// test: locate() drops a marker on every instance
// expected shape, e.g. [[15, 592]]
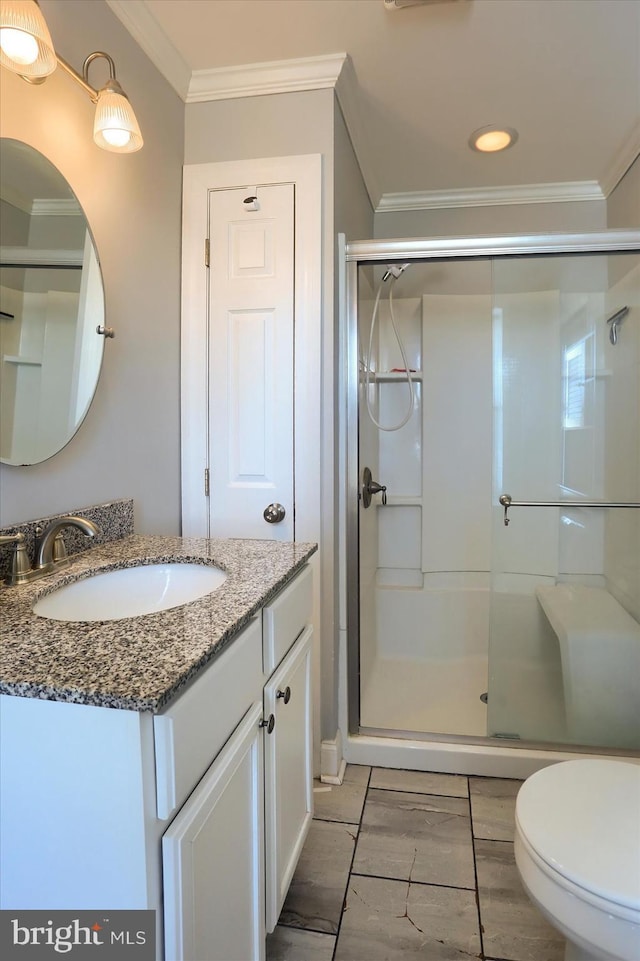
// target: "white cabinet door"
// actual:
[[288, 771], [213, 858], [251, 393]]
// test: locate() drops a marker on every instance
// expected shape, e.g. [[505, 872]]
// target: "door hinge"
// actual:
[[207, 248], [206, 482]]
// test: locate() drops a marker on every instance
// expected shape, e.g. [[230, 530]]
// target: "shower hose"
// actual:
[[392, 275]]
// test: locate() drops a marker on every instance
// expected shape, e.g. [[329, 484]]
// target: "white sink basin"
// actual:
[[130, 592]]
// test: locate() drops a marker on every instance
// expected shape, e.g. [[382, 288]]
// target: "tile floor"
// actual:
[[404, 865]]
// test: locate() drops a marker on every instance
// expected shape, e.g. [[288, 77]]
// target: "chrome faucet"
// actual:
[[50, 552]]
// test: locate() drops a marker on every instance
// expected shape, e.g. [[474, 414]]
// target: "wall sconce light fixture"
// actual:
[[26, 48]]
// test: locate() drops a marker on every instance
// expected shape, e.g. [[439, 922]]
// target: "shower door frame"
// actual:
[[383, 252]]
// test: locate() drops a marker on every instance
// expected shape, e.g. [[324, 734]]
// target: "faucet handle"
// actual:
[[59, 548], [20, 564], [17, 538]]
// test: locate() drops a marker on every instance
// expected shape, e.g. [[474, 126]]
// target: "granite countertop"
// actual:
[[138, 663]]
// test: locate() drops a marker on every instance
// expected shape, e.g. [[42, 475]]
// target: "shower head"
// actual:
[[614, 322], [395, 271]]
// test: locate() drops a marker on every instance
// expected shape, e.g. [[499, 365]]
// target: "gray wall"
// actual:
[[14, 225], [623, 204], [353, 213], [277, 125], [129, 444]]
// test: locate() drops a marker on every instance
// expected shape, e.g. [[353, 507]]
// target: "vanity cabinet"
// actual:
[[198, 812], [209, 750], [230, 853]]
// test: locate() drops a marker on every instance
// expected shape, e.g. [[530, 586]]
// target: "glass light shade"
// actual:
[[115, 127], [26, 47]]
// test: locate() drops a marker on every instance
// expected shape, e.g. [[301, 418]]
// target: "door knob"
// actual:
[[274, 513]]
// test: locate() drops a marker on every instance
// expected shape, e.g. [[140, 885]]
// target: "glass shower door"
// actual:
[[564, 655]]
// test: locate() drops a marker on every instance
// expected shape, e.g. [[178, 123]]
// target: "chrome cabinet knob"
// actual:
[[286, 694], [274, 513], [270, 723]]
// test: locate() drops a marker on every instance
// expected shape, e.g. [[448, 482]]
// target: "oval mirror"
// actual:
[[51, 301]]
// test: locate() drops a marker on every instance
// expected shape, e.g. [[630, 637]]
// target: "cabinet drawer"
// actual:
[[193, 728], [285, 619]]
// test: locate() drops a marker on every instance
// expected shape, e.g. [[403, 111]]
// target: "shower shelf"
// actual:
[[395, 376], [27, 361]]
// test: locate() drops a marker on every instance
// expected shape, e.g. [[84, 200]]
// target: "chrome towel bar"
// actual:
[[507, 501]]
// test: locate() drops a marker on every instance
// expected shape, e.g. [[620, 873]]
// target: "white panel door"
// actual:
[[251, 303]]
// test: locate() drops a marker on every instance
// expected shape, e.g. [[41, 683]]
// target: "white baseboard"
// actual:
[[332, 763], [338, 779]]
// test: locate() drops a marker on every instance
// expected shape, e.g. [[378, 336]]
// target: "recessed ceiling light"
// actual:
[[491, 139]]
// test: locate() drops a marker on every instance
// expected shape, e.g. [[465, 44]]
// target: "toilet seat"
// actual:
[[576, 891], [560, 806]]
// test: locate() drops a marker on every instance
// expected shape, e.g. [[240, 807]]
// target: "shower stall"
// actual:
[[492, 462]]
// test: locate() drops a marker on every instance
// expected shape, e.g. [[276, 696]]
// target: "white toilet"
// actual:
[[577, 849]]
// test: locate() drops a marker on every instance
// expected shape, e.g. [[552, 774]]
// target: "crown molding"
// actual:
[[334, 71], [47, 207], [492, 196], [624, 158], [29, 257], [259, 79], [40, 207], [145, 30]]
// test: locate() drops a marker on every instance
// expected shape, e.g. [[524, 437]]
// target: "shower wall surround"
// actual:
[[428, 574]]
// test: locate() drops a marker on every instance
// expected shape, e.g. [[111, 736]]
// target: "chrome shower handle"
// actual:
[[376, 488], [371, 487]]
